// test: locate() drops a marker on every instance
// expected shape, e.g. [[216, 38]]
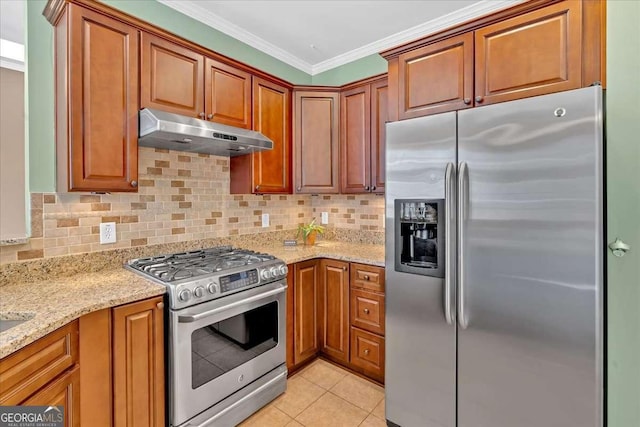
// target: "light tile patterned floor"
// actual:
[[324, 395]]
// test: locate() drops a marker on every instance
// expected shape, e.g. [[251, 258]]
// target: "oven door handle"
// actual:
[[190, 318]]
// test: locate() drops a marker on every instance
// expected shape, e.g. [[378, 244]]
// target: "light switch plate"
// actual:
[[107, 232], [324, 219], [265, 220]]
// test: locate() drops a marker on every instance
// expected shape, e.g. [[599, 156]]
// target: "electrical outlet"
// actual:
[[324, 218], [107, 232], [265, 220]]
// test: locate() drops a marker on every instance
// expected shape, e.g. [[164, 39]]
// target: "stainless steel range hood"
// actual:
[[160, 129]]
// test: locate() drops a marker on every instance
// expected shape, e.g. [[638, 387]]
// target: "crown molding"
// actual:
[[476, 10], [197, 12]]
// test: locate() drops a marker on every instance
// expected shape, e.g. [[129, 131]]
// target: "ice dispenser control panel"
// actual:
[[419, 233]]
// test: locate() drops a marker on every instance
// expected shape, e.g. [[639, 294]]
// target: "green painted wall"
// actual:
[[623, 211], [356, 70], [40, 110]]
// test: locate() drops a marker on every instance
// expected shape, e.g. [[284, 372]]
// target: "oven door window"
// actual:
[[223, 346]]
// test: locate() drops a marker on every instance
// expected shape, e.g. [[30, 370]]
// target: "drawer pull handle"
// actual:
[[366, 277], [366, 311], [366, 351]]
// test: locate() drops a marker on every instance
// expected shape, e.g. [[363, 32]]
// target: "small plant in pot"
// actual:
[[309, 232]]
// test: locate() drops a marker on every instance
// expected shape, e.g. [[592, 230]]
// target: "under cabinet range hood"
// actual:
[[160, 129]]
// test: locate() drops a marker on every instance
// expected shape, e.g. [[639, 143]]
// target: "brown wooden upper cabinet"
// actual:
[[267, 171], [533, 48], [182, 81], [437, 77], [334, 308], [363, 113], [96, 73], [316, 141], [532, 54]]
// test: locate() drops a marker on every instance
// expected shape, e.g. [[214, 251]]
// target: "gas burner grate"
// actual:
[[192, 264]]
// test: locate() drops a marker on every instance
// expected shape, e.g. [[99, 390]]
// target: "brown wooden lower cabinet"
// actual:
[[138, 364], [336, 315], [334, 308], [30, 369], [63, 391], [306, 310], [367, 352]]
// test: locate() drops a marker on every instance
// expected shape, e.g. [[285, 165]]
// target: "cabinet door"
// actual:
[[334, 304], [172, 77], [379, 118], [316, 142], [436, 78], [272, 117], [355, 124], [306, 310], [227, 94], [138, 364], [532, 54], [64, 391], [98, 146]]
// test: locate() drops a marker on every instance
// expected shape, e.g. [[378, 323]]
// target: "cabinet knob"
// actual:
[[344, 268], [134, 184], [467, 101], [479, 99], [209, 116], [366, 311], [257, 187], [299, 188], [366, 187], [160, 305], [366, 277], [366, 351], [201, 115], [373, 188]]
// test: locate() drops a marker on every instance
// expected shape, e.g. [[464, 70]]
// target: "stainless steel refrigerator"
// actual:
[[494, 265]]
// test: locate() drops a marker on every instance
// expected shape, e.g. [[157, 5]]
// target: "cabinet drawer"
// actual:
[[367, 277], [367, 311], [367, 352], [26, 371], [64, 391]]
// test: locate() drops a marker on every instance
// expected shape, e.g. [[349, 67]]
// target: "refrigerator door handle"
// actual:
[[449, 193], [463, 196]]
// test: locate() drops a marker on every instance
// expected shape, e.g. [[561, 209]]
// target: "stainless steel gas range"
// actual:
[[226, 332]]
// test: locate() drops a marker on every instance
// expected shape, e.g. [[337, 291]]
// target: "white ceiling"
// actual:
[[311, 35], [315, 36], [12, 34]]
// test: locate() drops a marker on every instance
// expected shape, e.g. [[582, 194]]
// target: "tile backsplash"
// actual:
[[181, 197]]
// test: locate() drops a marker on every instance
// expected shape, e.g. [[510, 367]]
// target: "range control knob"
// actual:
[[283, 269], [273, 271], [265, 274], [212, 288], [198, 292], [184, 295]]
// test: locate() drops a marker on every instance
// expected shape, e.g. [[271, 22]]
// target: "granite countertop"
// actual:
[[50, 304], [353, 252]]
